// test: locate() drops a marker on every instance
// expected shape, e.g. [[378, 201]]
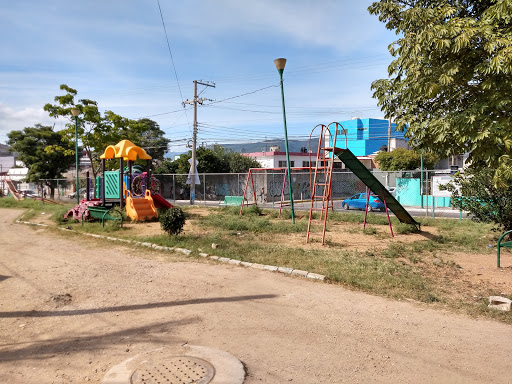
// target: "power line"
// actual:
[[243, 94], [166, 113], [170, 53]]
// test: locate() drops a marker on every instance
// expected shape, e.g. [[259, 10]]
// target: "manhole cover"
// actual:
[[175, 370]]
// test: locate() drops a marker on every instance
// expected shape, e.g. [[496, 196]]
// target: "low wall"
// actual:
[[407, 193]]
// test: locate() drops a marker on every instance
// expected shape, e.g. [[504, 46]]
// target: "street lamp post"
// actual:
[[280, 63], [75, 112]]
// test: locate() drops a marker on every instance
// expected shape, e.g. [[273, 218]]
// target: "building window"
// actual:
[[306, 163], [282, 164]]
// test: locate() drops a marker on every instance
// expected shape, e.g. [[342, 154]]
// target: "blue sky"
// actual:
[[115, 52]]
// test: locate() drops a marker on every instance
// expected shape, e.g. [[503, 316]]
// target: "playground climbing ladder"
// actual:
[[321, 194]]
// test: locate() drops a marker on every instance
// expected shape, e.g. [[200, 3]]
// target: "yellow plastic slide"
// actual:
[[141, 208]]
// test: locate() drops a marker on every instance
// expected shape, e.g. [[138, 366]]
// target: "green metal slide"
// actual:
[[375, 185]]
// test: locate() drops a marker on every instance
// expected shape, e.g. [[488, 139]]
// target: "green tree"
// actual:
[[98, 131], [46, 154], [403, 159], [147, 134], [475, 193], [450, 78], [211, 160]]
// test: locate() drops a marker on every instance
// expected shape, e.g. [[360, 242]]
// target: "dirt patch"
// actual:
[[61, 299], [480, 270], [350, 236], [477, 273], [73, 307]]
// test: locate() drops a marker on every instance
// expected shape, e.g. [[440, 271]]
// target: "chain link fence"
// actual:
[[411, 188]]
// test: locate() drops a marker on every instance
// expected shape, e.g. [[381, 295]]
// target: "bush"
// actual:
[[475, 192], [253, 210], [173, 221]]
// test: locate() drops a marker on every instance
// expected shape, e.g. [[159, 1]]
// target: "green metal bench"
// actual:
[[232, 200], [501, 243], [103, 214]]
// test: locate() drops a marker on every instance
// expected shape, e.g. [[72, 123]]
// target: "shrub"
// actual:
[[475, 192], [253, 210], [173, 221]]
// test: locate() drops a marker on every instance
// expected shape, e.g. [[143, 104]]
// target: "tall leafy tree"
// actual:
[[147, 134], [46, 154], [450, 80], [98, 131]]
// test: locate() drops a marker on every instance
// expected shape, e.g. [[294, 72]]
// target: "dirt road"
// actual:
[[71, 308]]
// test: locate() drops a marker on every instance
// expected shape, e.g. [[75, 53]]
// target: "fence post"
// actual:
[[204, 188], [173, 188], [426, 212], [273, 173]]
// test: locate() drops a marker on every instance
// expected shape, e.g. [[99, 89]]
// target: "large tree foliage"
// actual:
[[402, 159], [211, 160], [46, 154], [98, 131], [450, 80], [147, 134], [475, 193]]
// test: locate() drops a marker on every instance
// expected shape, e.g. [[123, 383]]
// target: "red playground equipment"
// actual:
[[321, 192], [320, 186], [126, 190]]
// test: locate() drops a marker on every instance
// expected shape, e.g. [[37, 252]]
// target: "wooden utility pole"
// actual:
[[193, 170]]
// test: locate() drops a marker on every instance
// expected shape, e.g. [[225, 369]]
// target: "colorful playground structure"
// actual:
[[130, 187], [320, 170]]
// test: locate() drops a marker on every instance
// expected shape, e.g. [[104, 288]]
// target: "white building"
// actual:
[[277, 159]]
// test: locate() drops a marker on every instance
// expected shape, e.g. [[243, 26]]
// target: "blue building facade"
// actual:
[[366, 136]]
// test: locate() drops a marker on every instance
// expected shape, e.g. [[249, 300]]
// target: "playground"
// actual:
[[69, 319], [448, 264], [396, 303], [406, 260]]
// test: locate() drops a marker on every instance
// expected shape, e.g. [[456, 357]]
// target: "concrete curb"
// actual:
[[33, 224], [187, 252]]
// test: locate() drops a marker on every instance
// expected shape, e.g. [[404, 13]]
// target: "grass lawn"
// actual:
[[448, 264]]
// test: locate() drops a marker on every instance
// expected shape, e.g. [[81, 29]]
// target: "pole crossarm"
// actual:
[[194, 102]]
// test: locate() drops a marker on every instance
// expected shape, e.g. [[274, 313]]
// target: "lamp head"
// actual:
[[75, 111], [280, 64]]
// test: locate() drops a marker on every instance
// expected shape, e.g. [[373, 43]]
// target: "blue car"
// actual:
[[358, 201]]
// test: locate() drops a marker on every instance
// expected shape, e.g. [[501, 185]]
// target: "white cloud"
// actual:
[[341, 25], [16, 120], [115, 52]]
